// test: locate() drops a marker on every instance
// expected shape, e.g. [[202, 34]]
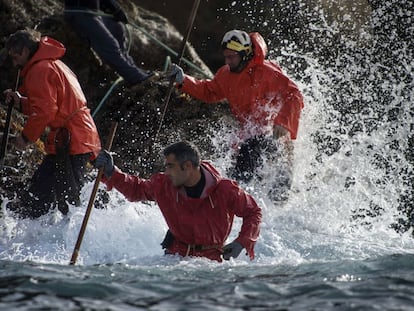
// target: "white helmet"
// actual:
[[238, 41]]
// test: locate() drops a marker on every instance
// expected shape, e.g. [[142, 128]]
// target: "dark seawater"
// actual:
[[300, 264], [384, 283]]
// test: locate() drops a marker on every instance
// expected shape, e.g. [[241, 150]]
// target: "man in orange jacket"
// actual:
[[198, 204], [52, 98], [266, 103]]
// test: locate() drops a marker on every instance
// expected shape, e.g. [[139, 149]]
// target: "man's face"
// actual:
[[177, 173], [233, 59], [19, 59]]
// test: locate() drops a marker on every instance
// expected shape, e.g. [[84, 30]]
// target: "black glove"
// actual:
[[120, 16], [176, 73], [104, 160], [232, 250]]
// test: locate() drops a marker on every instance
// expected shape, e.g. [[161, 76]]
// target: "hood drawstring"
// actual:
[[211, 201]]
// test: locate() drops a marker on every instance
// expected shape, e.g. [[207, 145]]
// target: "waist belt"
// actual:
[[199, 248]]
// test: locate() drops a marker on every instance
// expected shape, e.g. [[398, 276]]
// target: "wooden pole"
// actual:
[[92, 198], [6, 132], [180, 56], [5, 139]]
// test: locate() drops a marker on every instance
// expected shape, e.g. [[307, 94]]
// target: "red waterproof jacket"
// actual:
[[52, 97], [260, 96], [204, 222]]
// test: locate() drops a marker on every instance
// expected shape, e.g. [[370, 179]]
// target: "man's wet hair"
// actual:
[[28, 38], [184, 151]]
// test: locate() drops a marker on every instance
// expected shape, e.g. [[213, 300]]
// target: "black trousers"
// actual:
[[250, 164], [107, 37], [56, 182]]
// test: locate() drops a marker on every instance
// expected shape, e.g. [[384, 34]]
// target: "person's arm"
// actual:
[[289, 114], [246, 208], [132, 187], [41, 105], [209, 91]]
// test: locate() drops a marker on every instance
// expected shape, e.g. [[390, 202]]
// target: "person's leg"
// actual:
[[248, 160], [120, 33], [78, 164], [278, 172], [70, 178], [270, 162], [63, 169], [38, 199], [105, 45]]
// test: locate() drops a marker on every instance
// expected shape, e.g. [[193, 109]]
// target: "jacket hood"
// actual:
[[48, 49], [259, 47], [213, 177]]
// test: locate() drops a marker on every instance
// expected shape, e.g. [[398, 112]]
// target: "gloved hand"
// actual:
[[279, 131], [120, 16], [14, 96], [104, 160], [232, 250], [176, 73]]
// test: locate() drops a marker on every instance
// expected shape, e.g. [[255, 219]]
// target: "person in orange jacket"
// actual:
[[52, 98], [197, 203], [264, 100]]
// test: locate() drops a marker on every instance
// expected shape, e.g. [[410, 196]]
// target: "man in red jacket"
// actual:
[[196, 202], [266, 103], [52, 98]]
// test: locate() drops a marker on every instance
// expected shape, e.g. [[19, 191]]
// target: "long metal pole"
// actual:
[[92, 198]]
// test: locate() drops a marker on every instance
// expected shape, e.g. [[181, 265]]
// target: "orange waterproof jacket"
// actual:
[[260, 96], [52, 97], [204, 221]]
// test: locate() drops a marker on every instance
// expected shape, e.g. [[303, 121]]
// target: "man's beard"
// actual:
[[239, 67]]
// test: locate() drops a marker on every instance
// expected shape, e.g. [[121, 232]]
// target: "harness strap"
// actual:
[[70, 116]]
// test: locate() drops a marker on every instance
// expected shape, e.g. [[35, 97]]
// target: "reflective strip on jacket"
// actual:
[[203, 221], [260, 96], [53, 98]]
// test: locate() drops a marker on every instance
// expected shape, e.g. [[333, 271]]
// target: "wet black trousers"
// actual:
[[56, 182], [107, 37], [249, 158], [265, 160]]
